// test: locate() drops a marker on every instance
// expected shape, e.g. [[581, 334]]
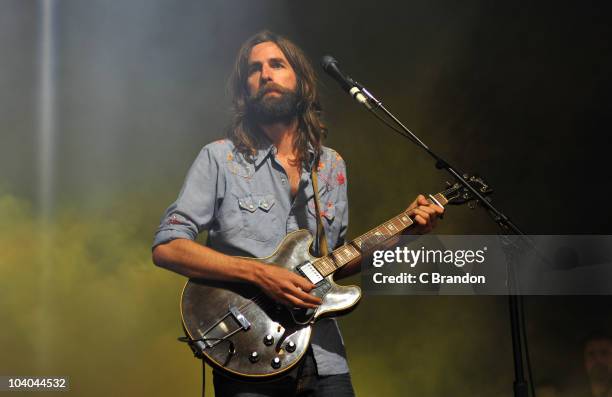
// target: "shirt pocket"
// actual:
[[259, 220]]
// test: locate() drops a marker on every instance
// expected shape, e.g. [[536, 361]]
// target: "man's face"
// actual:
[[271, 84], [598, 359]]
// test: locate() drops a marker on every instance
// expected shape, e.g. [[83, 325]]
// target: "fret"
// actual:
[[324, 266], [440, 197], [399, 220], [374, 237], [363, 241], [339, 258], [398, 225], [368, 241], [331, 264], [405, 219], [351, 252], [332, 259], [356, 252], [390, 227], [379, 234]]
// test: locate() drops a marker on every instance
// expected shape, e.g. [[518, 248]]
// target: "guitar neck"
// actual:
[[368, 241]]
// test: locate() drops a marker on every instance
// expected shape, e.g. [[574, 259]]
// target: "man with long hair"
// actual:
[[250, 190]]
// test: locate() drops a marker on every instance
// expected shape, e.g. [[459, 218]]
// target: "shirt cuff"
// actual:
[[166, 235]]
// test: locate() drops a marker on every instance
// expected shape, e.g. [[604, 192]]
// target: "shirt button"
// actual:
[[265, 205], [251, 206], [283, 180]]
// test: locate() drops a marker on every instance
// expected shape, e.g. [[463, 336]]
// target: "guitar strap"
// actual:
[[321, 239]]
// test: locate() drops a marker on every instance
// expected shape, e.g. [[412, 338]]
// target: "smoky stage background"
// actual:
[[105, 104]]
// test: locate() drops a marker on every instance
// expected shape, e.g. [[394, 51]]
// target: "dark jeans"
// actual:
[[300, 382]]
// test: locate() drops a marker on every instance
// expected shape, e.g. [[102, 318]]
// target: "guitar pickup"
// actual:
[[310, 272], [239, 317]]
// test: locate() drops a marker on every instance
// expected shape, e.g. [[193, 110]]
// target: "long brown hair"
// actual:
[[243, 131]]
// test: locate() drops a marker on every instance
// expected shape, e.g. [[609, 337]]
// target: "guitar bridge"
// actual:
[[239, 317], [217, 337]]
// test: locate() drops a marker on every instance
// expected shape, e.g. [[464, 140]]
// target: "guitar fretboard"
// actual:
[[368, 241]]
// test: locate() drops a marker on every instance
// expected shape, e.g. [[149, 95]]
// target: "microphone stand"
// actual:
[[506, 225]]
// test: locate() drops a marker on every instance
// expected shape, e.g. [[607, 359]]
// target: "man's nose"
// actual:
[[266, 74]]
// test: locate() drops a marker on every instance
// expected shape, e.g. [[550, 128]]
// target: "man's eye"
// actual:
[[277, 65]]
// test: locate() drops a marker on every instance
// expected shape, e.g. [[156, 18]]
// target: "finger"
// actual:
[[306, 297], [433, 214], [293, 301], [438, 212], [424, 215], [438, 209], [422, 200], [428, 209], [302, 282], [280, 297], [420, 220]]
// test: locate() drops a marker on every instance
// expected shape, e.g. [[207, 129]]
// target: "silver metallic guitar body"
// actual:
[[244, 332]]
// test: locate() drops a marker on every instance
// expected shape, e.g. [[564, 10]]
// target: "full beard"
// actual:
[[268, 109]]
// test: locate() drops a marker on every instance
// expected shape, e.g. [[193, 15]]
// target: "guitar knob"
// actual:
[[254, 357], [268, 340], [290, 346], [276, 363]]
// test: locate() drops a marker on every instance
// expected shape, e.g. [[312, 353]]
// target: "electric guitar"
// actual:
[[238, 329]]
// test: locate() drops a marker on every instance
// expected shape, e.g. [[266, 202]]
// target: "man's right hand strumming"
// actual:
[[284, 286]]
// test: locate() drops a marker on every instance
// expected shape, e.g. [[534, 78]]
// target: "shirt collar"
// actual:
[[263, 150], [265, 147]]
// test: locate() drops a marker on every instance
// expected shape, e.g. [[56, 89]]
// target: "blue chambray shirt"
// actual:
[[247, 209]]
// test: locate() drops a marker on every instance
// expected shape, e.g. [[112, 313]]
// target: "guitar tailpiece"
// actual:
[[198, 346]]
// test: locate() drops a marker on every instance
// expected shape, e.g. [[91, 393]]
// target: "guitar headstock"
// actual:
[[457, 194]]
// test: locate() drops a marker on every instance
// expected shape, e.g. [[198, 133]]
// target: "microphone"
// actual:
[[330, 66]]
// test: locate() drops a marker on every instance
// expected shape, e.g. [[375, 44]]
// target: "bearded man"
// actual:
[[250, 190]]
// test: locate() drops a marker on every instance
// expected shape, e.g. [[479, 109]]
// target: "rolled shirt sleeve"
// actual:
[[194, 209]]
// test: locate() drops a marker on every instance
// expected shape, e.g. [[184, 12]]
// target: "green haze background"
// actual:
[[517, 92]]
